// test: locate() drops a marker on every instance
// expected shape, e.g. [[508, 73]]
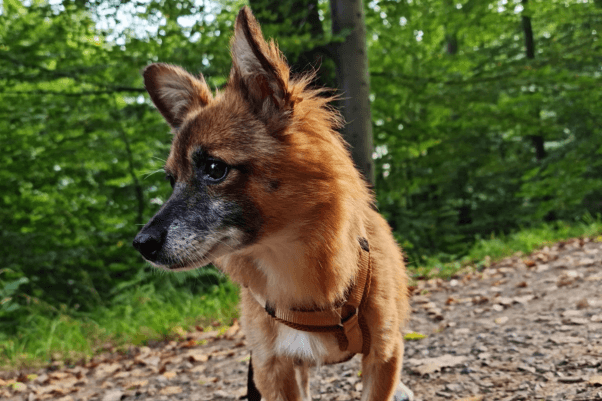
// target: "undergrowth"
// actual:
[[145, 312], [138, 316], [496, 247]]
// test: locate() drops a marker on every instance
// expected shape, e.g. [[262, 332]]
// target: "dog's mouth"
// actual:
[[196, 262]]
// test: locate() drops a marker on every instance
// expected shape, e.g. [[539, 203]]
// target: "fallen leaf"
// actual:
[[178, 331], [413, 336], [529, 262], [480, 300], [420, 299], [189, 344], [595, 381], [170, 375], [567, 278], [431, 365], [197, 356], [170, 390], [232, 330], [586, 262], [148, 361], [504, 301], [524, 299], [198, 369], [558, 339], [105, 369], [135, 384]]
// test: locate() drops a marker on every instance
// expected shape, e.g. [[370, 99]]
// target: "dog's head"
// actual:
[[238, 166]]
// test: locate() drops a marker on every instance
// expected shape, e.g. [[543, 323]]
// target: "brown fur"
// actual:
[[295, 180]]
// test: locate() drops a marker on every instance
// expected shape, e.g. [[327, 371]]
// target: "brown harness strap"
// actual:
[[345, 322]]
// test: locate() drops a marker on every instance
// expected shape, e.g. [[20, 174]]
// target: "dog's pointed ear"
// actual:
[[174, 91], [258, 68]]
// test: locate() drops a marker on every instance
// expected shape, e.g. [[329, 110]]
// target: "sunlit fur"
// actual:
[[309, 202]]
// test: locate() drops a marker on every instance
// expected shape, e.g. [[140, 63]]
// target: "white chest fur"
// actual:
[[315, 348], [299, 344]]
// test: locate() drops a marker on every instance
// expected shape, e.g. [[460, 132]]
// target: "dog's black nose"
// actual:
[[148, 245]]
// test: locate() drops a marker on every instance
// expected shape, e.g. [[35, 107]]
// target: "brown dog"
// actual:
[[264, 187]]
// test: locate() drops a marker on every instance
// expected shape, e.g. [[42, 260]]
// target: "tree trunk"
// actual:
[[537, 140], [351, 58]]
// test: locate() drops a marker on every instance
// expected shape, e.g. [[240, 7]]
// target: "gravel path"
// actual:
[[525, 328]]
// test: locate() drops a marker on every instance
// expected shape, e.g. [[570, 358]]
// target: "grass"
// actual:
[[142, 313], [138, 316], [487, 250]]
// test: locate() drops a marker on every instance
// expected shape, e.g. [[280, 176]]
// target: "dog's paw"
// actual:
[[403, 393]]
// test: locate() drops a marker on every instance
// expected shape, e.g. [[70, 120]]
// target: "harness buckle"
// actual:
[[353, 332]]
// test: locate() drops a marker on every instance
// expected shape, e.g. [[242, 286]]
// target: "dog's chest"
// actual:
[[316, 348]]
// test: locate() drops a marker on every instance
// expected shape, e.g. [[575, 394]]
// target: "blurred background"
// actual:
[[486, 119]]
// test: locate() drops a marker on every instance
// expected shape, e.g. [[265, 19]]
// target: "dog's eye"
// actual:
[[215, 170], [172, 181]]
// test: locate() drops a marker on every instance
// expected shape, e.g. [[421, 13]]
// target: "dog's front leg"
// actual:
[[280, 379], [380, 376]]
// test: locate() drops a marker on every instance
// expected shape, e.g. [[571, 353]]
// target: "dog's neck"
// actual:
[[309, 270]]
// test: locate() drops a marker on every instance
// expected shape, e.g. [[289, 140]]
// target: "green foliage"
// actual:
[[80, 145], [457, 103]]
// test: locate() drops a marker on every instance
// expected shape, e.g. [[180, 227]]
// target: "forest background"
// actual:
[[486, 126]]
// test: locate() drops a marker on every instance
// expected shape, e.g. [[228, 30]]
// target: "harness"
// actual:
[[345, 322]]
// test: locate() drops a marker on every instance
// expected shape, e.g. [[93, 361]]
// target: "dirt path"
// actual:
[[525, 328]]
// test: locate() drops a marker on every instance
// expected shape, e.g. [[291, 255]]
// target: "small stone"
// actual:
[[482, 348], [505, 301], [453, 387], [596, 318], [526, 368], [570, 379], [113, 395], [501, 320], [571, 313], [524, 299], [576, 321]]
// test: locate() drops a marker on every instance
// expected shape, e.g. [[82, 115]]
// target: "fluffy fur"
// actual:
[[286, 218]]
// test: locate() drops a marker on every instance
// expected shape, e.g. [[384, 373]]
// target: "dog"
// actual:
[[264, 188]]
